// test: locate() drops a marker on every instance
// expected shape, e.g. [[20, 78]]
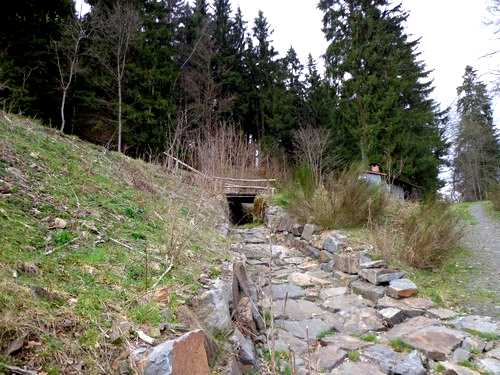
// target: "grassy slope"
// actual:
[[61, 289]]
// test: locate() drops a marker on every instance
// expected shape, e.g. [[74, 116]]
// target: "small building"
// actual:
[[398, 188]]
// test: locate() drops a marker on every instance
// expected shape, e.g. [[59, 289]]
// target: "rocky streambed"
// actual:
[[298, 301]]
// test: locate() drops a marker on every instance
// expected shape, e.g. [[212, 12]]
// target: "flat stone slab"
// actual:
[[392, 362], [357, 368], [290, 291], [345, 342], [285, 341], [306, 280], [333, 243], [344, 302], [495, 353], [359, 321], [300, 329], [392, 315], [348, 263], [344, 279], [333, 292], [412, 307], [379, 276], [401, 288], [410, 326], [454, 369], [366, 262], [328, 357], [443, 314], [482, 324], [296, 309], [436, 342], [490, 365], [366, 290]]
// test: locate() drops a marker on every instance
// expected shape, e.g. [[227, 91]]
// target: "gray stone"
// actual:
[[296, 309], [347, 263], [326, 358], [297, 230], [410, 326], [344, 302], [411, 307], [495, 353], [333, 292], [401, 288], [333, 243], [358, 321], [212, 307], [367, 290], [308, 231], [392, 316], [490, 365], [343, 278], [410, 364], [306, 280], [285, 341], [254, 235], [303, 328], [381, 355], [366, 262], [473, 344], [482, 324], [443, 314], [290, 291], [357, 368], [345, 342], [273, 216], [454, 369], [436, 342], [380, 275], [244, 347], [460, 355]]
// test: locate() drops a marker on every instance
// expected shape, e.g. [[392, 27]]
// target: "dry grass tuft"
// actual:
[[494, 197]]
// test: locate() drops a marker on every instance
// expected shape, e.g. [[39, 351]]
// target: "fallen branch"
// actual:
[[163, 275], [19, 370], [121, 244]]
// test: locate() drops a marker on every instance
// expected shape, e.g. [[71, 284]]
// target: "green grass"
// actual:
[[439, 368], [354, 356], [450, 284], [124, 226], [484, 335], [463, 211], [469, 364], [325, 333], [369, 337], [494, 214], [400, 346]]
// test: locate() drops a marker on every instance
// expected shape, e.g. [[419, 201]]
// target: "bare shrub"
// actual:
[[422, 235], [494, 197], [311, 144], [344, 200]]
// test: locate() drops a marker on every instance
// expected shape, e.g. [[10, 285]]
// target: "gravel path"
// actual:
[[483, 239]]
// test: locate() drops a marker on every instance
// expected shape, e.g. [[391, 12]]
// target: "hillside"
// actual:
[[91, 238]]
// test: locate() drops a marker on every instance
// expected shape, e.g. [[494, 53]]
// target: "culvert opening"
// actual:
[[240, 209]]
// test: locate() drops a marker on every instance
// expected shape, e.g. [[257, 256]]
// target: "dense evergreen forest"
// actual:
[[129, 74]]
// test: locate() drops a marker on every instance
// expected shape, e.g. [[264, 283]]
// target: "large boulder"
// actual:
[[212, 307]]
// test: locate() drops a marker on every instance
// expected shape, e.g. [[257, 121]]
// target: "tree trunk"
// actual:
[[119, 116], [63, 103]]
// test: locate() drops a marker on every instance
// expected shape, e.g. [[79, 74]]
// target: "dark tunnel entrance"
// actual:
[[240, 209]]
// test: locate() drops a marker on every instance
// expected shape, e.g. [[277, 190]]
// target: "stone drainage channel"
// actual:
[[329, 309]]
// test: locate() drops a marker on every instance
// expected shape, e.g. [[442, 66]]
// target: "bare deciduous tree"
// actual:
[[311, 145], [114, 33], [67, 52]]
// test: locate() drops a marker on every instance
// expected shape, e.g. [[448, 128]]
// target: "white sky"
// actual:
[[453, 35]]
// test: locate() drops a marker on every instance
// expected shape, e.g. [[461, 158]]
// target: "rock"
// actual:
[[325, 257], [366, 262], [244, 314], [306, 280], [367, 290], [347, 263], [59, 223], [343, 278], [244, 347], [473, 344], [212, 307], [309, 265], [359, 321], [344, 303], [290, 291], [223, 229], [120, 330], [26, 267], [333, 243], [490, 365], [234, 367], [312, 294], [392, 316], [285, 341], [411, 307], [308, 231], [184, 355], [303, 328], [453, 369], [481, 324], [254, 235], [401, 288], [436, 342], [297, 229], [495, 353], [410, 326], [332, 292], [460, 355], [410, 364], [357, 368], [443, 314], [296, 309], [326, 358], [380, 275], [345, 342], [259, 252], [273, 216]]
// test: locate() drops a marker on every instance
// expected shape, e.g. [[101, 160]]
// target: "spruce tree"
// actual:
[[477, 152], [384, 114]]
